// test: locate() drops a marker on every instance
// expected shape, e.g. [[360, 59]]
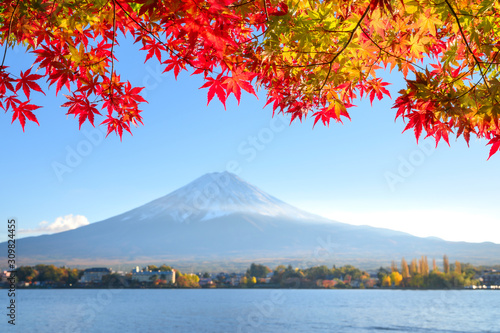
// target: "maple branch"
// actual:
[[112, 49], [53, 8], [265, 8], [467, 44], [460, 77], [370, 69], [344, 47], [241, 4], [307, 65], [476, 84], [8, 34], [336, 54], [157, 38], [332, 31], [326, 79], [309, 52], [47, 13], [392, 55]]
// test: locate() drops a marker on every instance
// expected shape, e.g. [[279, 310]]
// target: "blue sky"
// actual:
[[362, 172]]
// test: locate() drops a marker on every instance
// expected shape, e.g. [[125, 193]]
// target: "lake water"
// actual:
[[230, 310]]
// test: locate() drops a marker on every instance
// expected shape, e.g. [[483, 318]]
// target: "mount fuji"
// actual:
[[216, 195], [219, 220]]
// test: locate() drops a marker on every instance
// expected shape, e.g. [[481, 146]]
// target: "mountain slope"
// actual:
[[215, 195], [219, 217]]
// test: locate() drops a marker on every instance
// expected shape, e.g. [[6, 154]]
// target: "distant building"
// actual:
[[4, 275], [369, 283], [233, 281], [205, 282], [491, 279], [355, 283], [94, 274], [147, 275]]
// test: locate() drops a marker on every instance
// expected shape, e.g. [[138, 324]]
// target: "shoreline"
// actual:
[[254, 288]]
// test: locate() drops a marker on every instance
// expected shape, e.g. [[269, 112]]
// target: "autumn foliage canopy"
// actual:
[[311, 57]]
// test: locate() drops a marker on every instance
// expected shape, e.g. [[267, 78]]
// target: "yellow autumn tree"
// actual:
[[386, 282], [396, 279]]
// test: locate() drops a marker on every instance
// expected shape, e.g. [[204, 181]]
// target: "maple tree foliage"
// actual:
[[311, 57]]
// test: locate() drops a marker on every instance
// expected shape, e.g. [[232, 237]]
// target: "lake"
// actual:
[[263, 310]]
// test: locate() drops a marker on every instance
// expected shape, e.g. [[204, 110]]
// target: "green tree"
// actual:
[[188, 281], [73, 275], [27, 274], [354, 272], [417, 281], [341, 285], [382, 273], [470, 271], [49, 273], [318, 272], [258, 270], [437, 280], [165, 268], [115, 280]]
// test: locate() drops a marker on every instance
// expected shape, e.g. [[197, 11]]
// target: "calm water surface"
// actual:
[[220, 311]]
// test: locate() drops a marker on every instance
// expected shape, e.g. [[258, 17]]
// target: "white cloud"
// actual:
[[61, 223]]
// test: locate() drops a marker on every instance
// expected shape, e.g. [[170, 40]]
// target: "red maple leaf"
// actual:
[[176, 64], [237, 81], [80, 106], [5, 81], [116, 125], [11, 101], [217, 86], [376, 87], [27, 81], [154, 48], [62, 74], [90, 85], [23, 111], [131, 95], [333, 111], [495, 145]]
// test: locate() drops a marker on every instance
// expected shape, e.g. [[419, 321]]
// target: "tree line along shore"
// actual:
[[414, 274]]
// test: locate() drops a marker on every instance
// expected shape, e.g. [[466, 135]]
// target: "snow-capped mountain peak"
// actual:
[[214, 195]]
